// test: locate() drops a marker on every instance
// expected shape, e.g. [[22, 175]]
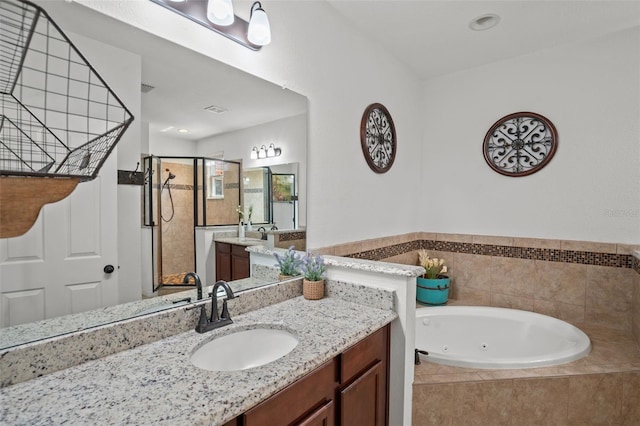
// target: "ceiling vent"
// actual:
[[215, 109], [146, 88]]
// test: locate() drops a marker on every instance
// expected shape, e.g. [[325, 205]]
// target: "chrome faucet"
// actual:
[[215, 321], [196, 278], [264, 233]]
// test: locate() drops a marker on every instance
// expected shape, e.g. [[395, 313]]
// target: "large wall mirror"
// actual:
[[225, 112]]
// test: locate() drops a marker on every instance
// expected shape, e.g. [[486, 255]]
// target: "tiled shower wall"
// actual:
[[177, 231], [580, 282]]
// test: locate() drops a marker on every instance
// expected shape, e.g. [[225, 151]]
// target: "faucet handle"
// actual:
[[203, 322], [225, 311]]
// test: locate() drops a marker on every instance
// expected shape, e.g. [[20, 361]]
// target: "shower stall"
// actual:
[[180, 194]]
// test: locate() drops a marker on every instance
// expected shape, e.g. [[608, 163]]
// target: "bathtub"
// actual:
[[496, 338]]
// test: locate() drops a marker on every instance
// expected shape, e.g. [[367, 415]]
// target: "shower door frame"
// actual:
[[153, 211]]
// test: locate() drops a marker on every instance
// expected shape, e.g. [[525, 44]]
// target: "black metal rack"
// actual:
[[59, 117]]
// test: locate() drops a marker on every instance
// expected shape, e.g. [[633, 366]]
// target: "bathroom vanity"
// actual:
[[232, 259], [338, 367], [350, 389]]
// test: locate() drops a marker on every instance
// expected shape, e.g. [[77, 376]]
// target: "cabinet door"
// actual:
[[223, 261], [363, 402], [240, 264], [323, 416], [301, 401]]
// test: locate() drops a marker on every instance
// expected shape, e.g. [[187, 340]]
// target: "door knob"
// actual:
[[109, 269]]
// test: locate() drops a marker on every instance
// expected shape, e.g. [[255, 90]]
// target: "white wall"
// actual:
[[591, 188], [167, 146], [289, 134]]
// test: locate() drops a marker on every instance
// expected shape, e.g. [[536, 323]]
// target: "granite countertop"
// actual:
[[156, 383], [248, 241]]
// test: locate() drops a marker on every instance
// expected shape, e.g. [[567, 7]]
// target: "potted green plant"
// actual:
[[313, 269], [289, 263], [433, 286]]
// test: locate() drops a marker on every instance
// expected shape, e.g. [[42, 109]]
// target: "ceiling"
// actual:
[[433, 37]]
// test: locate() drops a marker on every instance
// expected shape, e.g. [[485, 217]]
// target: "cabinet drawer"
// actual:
[[223, 248], [239, 251], [362, 355], [298, 402]]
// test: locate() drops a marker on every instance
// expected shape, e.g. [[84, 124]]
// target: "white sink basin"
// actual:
[[244, 349]]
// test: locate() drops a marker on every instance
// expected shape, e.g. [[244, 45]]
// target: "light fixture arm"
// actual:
[[256, 5]]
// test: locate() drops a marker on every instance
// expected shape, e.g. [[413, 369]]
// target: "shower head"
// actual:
[[171, 176]]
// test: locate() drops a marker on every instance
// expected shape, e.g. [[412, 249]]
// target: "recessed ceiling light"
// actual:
[[183, 130], [166, 129], [484, 22]]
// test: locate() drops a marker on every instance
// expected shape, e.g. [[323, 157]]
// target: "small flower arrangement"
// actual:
[[435, 267], [250, 213], [313, 267], [240, 213], [289, 263]]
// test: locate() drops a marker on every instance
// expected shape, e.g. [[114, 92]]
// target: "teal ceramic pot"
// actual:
[[433, 291]]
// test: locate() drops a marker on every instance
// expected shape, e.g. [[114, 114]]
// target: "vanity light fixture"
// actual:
[[263, 152], [218, 16], [259, 31], [272, 151], [220, 12]]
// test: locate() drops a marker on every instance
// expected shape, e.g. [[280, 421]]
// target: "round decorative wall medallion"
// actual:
[[520, 144], [378, 138]]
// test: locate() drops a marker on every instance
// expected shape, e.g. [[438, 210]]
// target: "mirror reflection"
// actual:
[[198, 167]]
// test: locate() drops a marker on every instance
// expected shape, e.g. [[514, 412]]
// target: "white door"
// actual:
[[57, 267]]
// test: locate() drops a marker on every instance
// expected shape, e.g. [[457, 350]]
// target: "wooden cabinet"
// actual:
[[306, 401], [363, 402], [232, 262], [363, 388], [349, 390]]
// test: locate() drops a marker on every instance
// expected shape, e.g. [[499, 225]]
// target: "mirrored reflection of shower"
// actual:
[[181, 194], [170, 176]]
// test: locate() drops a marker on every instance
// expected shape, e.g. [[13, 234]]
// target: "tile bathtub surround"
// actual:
[[579, 282], [568, 255], [602, 388], [593, 399]]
